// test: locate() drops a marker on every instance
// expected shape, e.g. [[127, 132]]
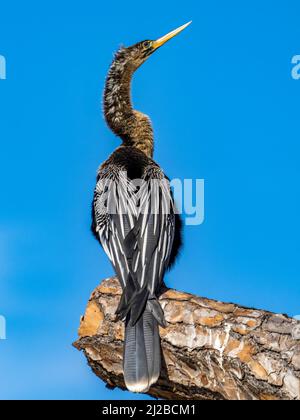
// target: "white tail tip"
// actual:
[[141, 387]]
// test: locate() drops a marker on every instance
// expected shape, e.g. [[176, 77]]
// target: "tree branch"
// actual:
[[212, 350]]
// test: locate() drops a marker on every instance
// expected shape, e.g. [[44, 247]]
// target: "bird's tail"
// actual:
[[142, 352]]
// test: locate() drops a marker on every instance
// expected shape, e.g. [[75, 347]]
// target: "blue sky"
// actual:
[[224, 107]]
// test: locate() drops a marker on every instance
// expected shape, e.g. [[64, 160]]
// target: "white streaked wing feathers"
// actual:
[[155, 238]]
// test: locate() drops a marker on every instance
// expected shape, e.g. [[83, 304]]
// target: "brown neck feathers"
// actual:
[[132, 126]]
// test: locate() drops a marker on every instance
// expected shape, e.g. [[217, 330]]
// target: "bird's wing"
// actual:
[[113, 223], [154, 229], [136, 225]]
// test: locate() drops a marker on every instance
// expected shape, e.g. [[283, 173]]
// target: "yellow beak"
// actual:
[[161, 41]]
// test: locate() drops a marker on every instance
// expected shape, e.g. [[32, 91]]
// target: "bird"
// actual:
[[134, 217]]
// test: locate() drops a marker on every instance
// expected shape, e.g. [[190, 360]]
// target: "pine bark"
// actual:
[[211, 350]]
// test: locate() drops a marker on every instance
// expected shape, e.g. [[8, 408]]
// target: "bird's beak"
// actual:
[[161, 41]]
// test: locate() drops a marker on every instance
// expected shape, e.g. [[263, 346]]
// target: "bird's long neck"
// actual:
[[132, 126]]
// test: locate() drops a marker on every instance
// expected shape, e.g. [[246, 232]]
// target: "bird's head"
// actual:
[[137, 54]]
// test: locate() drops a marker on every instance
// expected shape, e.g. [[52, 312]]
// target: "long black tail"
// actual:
[[142, 352]]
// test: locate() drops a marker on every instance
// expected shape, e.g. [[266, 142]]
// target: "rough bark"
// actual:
[[212, 350]]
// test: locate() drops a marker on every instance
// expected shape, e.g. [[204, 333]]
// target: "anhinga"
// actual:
[[141, 239]]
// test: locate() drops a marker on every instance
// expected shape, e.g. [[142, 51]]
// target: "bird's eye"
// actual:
[[147, 44]]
